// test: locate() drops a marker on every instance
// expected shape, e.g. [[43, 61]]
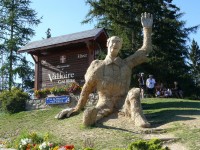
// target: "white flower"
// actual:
[[43, 145], [25, 141]]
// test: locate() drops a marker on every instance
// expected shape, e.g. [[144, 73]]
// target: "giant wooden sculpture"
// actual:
[[111, 77]]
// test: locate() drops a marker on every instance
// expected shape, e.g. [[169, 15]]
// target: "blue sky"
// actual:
[[65, 16], [61, 16], [191, 8]]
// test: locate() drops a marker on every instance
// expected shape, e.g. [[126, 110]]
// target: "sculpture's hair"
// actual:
[[113, 37]]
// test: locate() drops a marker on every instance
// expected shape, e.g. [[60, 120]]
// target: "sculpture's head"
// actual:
[[114, 45]]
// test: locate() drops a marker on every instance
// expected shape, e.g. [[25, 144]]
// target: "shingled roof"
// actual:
[[53, 41]]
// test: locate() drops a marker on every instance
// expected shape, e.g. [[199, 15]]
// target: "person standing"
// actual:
[[177, 91], [141, 81], [150, 84]]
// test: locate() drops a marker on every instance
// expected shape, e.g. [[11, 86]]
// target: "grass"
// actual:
[[162, 111], [107, 134], [176, 111], [189, 136]]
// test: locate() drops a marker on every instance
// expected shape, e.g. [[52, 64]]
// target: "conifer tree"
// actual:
[[48, 33], [194, 62], [16, 22]]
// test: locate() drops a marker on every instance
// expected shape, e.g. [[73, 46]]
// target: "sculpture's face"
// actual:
[[114, 45]]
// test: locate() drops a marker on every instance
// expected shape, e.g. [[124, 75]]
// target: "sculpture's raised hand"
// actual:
[[147, 20]]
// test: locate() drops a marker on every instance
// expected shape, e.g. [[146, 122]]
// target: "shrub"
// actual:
[[13, 101], [153, 144]]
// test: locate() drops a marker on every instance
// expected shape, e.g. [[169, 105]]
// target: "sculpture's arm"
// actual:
[[140, 55], [88, 87], [90, 84]]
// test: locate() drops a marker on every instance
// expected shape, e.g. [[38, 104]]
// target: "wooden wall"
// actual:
[[59, 68]]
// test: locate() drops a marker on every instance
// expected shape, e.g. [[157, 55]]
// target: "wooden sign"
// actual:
[[60, 69]]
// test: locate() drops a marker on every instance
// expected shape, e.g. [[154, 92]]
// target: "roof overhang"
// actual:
[[64, 40]]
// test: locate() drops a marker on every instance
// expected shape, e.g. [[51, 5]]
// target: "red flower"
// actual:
[[69, 147], [51, 145]]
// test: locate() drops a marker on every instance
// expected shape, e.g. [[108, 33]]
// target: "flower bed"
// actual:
[[28, 144], [34, 141], [65, 90]]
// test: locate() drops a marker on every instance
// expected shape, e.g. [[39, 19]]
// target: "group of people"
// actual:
[[176, 91], [150, 88], [161, 91]]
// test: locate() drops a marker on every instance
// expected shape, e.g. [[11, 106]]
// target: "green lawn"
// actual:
[[105, 135], [164, 110]]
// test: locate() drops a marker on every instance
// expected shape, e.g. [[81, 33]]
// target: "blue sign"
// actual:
[[58, 99]]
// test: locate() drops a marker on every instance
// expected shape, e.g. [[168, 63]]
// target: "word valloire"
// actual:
[[60, 76]]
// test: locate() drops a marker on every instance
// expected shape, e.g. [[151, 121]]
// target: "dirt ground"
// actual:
[[169, 140]]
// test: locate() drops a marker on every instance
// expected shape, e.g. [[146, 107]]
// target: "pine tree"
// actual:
[[194, 62], [16, 21], [48, 33], [26, 74], [122, 18]]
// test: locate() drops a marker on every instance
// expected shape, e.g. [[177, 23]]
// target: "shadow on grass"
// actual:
[[100, 125], [175, 104], [160, 113]]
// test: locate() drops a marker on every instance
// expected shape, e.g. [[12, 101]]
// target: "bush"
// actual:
[[13, 101], [153, 144]]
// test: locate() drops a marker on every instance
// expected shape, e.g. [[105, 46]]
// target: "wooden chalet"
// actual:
[[63, 59]]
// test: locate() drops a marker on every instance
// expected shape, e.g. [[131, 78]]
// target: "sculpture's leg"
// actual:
[[93, 114], [89, 116], [133, 108]]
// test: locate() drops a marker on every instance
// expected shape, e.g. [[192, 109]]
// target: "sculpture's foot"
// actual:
[[89, 116], [140, 120]]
